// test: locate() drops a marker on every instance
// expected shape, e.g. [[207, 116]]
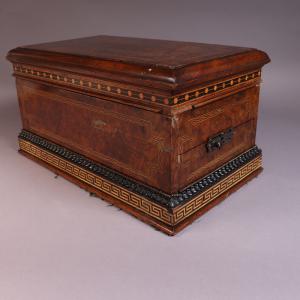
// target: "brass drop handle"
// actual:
[[217, 141]]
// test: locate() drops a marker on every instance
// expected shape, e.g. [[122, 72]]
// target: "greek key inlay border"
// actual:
[[215, 191], [167, 216], [132, 199]]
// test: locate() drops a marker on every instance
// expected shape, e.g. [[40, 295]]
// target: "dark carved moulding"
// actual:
[[168, 201]]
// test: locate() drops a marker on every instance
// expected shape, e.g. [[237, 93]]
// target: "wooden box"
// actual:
[[162, 129]]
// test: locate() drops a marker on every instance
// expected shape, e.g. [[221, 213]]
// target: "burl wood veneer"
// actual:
[[162, 129]]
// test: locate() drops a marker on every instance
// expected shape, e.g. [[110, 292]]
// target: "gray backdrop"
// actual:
[[56, 242]]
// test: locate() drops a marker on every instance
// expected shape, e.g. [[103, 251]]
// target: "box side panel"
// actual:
[[130, 140], [198, 162], [196, 126], [228, 125]]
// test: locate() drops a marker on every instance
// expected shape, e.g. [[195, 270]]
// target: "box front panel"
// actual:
[[130, 140]]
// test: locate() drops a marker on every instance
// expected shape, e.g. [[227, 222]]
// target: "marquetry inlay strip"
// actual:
[[98, 182], [121, 193], [94, 84], [182, 212]]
